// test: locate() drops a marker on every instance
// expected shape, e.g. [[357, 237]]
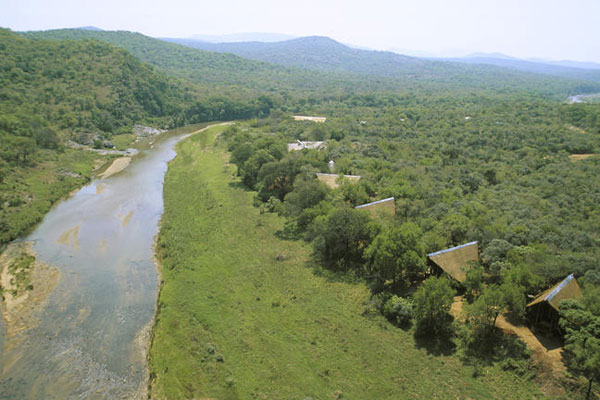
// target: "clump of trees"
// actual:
[[582, 338], [432, 305]]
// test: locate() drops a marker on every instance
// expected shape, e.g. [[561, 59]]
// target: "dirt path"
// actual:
[[546, 352]]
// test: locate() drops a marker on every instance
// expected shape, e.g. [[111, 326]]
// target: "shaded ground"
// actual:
[[546, 351]]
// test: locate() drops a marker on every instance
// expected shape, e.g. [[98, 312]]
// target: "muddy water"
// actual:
[[89, 342]]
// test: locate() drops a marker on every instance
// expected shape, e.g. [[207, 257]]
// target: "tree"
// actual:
[[432, 304], [484, 311], [582, 337], [342, 238], [22, 148], [307, 193], [398, 310], [277, 178], [396, 254], [473, 282], [249, 170]]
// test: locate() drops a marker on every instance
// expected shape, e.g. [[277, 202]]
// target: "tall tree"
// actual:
[[396, 254], [582, 337], [432, 304]]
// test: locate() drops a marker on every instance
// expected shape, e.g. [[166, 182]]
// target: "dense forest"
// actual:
[[485, 170]]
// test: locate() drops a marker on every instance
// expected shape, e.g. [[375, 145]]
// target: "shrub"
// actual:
[[398, 310]]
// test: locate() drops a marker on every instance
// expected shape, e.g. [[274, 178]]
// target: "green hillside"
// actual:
[[75, 85], [203, 67], [325, 54], [315, 66], [54, 91]]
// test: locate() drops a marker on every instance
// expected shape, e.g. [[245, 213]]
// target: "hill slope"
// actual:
[[565, 71], [317, 65], [54, 90], [210, 69], [78, 85], [324, 54]]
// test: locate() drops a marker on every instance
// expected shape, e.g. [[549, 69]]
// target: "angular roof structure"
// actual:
[[386, 206], [567, 289], [299, 145], [307, 118], [331, 179], [455, 260]]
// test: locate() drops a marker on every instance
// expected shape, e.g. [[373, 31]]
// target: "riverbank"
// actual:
[[30, 192], [25, 284], [240, 316], [118, 165]]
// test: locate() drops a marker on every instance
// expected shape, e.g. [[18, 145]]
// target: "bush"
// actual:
[[398, 310]]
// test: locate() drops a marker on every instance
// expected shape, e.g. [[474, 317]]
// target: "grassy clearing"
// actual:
[[241, 317], [123, 141]]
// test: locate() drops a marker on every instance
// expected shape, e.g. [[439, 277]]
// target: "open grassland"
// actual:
[[240, 316]]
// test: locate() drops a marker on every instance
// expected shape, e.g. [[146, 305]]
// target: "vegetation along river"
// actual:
[[91, 338]]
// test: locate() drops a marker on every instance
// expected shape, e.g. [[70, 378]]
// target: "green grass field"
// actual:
[[123, 141], [240, 316]]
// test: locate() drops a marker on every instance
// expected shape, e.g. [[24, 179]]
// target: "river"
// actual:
[[92, 336]]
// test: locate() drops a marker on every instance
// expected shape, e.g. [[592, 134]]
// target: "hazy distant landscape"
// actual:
[[293, 216]]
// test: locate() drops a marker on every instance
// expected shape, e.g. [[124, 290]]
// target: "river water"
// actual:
[[101, 241]]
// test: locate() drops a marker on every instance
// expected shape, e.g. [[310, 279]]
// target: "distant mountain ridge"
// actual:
[[325, 54], [565, 69], [90, 28], [244, 37], [314, 52], [316, 63]]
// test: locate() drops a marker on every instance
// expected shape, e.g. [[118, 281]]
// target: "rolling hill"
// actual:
[[81, 86], [325, 54], [563, 69], [318, 66]]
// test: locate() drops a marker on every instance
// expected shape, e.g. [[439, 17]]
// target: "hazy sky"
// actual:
[[551, 29]]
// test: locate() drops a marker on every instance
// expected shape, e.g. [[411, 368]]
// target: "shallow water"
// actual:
[[101, 240]]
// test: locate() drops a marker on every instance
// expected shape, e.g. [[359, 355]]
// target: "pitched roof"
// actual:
[[567, 289], [454, 260], [375, 202], [387, 206], [331, 179], [299, 145]]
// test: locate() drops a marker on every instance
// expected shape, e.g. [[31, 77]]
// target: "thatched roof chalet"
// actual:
[[331, 180], [308, 118], [300, 145], [455, 261], [568, 288], [387, 206], [545, 306]]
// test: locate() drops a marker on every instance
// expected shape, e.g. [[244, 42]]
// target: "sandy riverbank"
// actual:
[[21, 308], [117, 165]]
